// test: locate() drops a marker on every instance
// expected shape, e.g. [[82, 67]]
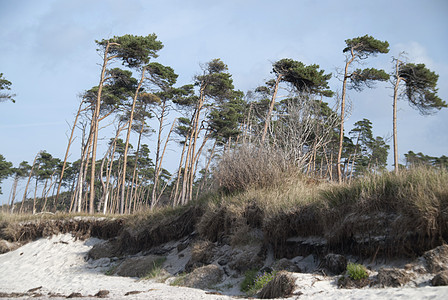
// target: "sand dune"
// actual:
[[58, 266]]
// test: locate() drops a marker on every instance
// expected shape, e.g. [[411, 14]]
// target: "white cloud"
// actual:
[[414, 52]]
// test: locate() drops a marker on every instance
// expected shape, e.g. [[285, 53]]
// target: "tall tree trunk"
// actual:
[[341, 131], [94, 126], [398, 78], [125, 158], [35, 195], [83, 168], [70, 140], [29, 179], [159, 142], [271, 108], [195, 166], [45, 192], [204, 178], [134, 171], [14, 188], [109, 173], [159, 167], [189, 160], [175, 198]]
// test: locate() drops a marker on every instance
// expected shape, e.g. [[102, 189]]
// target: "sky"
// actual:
[[48, 52]]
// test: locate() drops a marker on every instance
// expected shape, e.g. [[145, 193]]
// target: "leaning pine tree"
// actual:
[[302, 78], [358, 49], [420, 90], [133, 52]]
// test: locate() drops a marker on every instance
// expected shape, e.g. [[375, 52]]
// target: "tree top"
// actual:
[[366, 45], [133, 50], [303, 77], [421, 87]]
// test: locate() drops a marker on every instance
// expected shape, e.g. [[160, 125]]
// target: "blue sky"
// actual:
[[47, 51]]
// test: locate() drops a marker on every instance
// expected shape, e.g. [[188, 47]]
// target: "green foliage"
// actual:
[[119, 87], [216, 83], [356, 271], [249, 279], [156, 269], [5, 169], [254, 281], [369, 153], [421, 87], [226, 117], [419, 159], [5, 85], [303, 77], [162, 76], [22, 170], [134, 51], [366, 77], [47, 165], [365, 46]]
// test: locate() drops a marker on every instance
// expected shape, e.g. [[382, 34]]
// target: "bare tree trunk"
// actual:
[[398, 78], [341, 132], [14, 188], [159, 166], [109, 173], [195, 166], [35, 194], [175, 198], [29, 179], [159, 142], [94, 126], [84, 175], [70, 140], [134, 172], [271, 108], [204, 178], [125, 157], [48, 190], [189, 161]]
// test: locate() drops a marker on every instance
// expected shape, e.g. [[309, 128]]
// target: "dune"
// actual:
[[58, 267]]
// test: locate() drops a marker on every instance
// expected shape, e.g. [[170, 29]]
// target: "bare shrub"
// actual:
[[300, 132], [251, 166]]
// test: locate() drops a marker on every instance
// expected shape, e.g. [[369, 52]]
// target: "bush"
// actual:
[[249, 279], [250, 166], [356, 271]]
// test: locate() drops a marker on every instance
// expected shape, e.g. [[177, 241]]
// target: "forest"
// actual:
[[226, 140]]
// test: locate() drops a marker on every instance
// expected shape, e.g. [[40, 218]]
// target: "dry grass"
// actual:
[[388, 214], [281, 286], [408, 210], [250, 166]]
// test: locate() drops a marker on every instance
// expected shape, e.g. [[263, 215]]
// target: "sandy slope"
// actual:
[[58, 266]]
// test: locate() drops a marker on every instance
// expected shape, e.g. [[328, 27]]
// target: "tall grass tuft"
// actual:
[[250, 166]]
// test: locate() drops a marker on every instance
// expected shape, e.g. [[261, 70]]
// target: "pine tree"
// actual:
[[420, 90], [358, 49], [301, 77]]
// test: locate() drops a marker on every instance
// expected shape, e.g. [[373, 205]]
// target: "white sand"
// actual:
[[58, 266]]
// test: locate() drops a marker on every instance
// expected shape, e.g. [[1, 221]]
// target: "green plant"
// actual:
[[249, 279], [111, 270], [356, 271], [157, 270], [255, 281], [179, 280]]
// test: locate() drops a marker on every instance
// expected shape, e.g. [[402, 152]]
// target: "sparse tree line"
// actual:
[[207, 119]]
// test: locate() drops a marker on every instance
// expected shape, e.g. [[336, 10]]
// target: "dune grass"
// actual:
[[409, 209]]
